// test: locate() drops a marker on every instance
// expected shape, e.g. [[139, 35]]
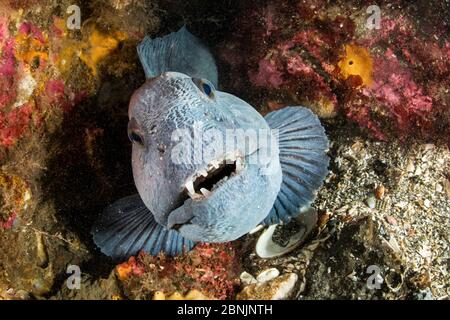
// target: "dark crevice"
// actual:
[[225, 170]]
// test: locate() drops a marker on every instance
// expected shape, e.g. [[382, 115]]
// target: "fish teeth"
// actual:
[[203, 172], [196, 196], [205, 192], [190, 187], [239, 164], [231, 158], [215, 164]]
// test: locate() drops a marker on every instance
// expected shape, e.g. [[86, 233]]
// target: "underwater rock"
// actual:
[[14, 295], [267, 275], [49, 114], [92, 288], [62, 118], [391, 81], [279, 288], [15, 195], [212, 269]]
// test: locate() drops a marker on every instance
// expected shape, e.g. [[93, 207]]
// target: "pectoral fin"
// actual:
[[304, 162], [127, 227]]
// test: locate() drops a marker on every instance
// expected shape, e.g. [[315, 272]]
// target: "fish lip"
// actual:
[[217, 169], [173, 225]]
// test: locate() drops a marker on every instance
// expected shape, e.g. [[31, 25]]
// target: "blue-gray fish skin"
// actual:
[[194, 183], [173, 101]]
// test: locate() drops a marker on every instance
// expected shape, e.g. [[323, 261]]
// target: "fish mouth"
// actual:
[[204, 182]]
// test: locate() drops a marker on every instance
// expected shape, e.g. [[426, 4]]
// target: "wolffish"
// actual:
[[207, 166]]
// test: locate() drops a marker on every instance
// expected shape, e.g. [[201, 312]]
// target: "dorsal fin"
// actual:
[[179, 51]]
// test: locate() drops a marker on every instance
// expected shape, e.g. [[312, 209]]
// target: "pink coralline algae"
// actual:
[[14, 124], [398, 95], [29, 85], [401, 89], [267, 75], [293, 63], [7, 65], [285, 68], [8, 224], [32, 30], [58, 94]]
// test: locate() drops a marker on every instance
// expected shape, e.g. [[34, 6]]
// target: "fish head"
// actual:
[[188, 165]]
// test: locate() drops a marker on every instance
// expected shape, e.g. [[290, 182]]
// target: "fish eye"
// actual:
[[135, 137], [133, 133], [207, 89], [205, 86]]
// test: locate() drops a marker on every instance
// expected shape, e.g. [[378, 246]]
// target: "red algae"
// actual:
[[267, 75], [14, 124], [34, 69], [7, 66], [8, 224], [212, 269], [390, 81]]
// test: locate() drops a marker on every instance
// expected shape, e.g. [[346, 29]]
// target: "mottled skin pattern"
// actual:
[[173, 101]]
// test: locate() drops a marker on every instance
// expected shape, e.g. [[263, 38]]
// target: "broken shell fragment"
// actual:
[[268, 275], [280, 288], [247, 278], [41, 251]]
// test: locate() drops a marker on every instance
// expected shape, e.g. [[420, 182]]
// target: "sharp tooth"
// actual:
[[205, 192], [215, 164], [196, 196], [230, 158], [190, 187], [204, 173]]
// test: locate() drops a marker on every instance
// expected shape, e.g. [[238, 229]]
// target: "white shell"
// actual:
[[286, 287], [268, 275], [266, 248], [247, 278]]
